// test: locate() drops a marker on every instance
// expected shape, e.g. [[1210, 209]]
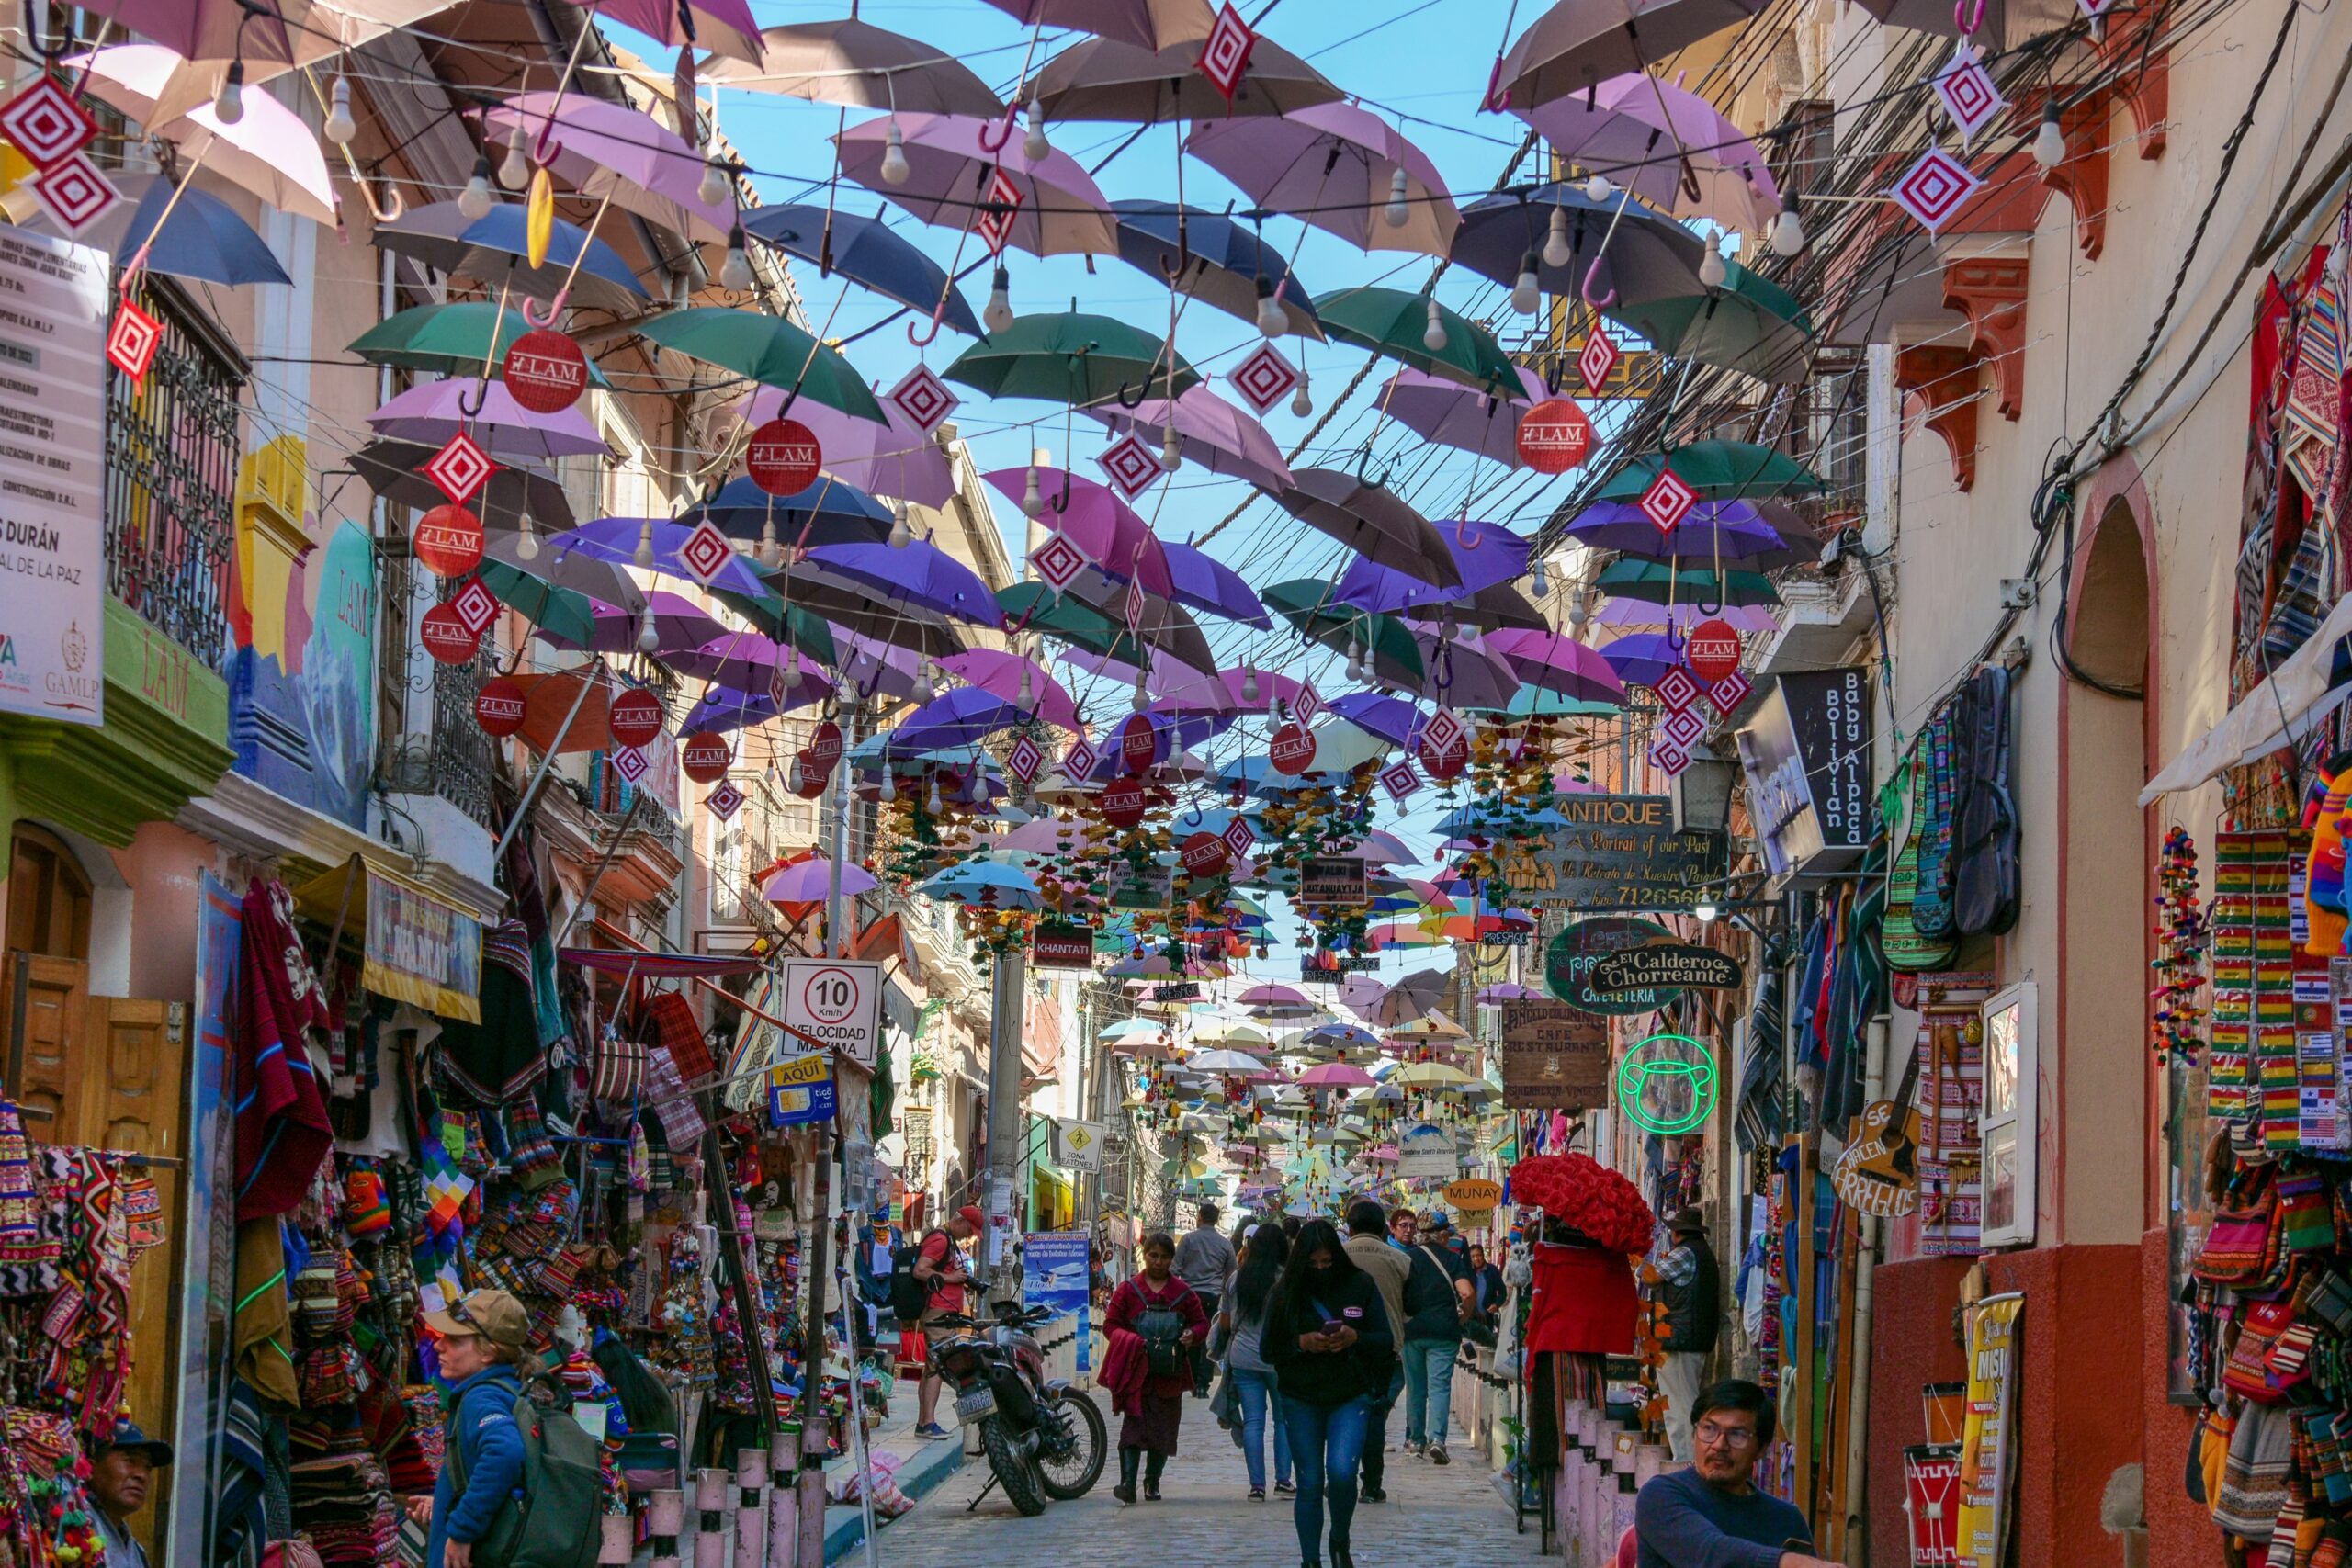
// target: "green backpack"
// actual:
[[550, 1519]]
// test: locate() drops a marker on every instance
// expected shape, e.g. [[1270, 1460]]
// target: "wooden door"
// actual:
[[48, 1001], [129, 1100]]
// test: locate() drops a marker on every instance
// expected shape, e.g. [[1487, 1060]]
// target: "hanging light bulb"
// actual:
[[1141, 700], [1433, 334], [1557, 251], [1034, 144], [1300, 403], [1528, 292], [925, 687], [895, 168], [526, 546], [1711, 268], [1599, 188], [1028, 698], [931, 804], [713, 189], [229, 107], [1172, 451], [736, 274], [1250, 686], [1577, 614], [1788, 231], [1539, 583], [2049, 141], [890, 784], [1396, 213], [644, 556], [1033, 502], [648, 639], [340, 126], [791, 668], [515, 170], [899, 532], [793, 777], [1272, 320], [771, 551], [475, 200], [998, 313]]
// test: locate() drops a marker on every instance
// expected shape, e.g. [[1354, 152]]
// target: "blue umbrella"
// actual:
[[867, 252], [1170, 734], [1207, 583], [976, 882], [723, 708], [1393, 719], [495, 249], [202, 238], [965, 716], [1214, 259], [917, 574], [830, 512], [617, 540]]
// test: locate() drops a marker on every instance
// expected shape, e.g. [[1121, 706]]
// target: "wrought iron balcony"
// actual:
[[462, 760]]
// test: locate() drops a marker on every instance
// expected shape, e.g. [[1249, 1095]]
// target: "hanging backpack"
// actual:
[[1984, 817], [550, 1520], [910, 1296], [1931, 906]]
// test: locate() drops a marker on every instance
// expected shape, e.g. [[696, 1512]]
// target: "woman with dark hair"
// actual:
[[1162, 1310], [1244, 1319], [1328, 1336]]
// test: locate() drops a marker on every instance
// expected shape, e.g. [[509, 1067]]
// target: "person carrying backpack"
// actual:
[[480, 1344], [932, 1281], [1162, 1312]]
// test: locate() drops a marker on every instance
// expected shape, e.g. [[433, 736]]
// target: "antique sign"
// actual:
[[1613, 852]]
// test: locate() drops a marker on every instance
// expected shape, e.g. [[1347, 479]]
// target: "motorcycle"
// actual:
[[1044, 1440]]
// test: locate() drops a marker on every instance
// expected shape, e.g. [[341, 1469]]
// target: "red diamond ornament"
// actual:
[[1934, 188], [999, 204], [1134, 606], [630, 764], [77, 194], [1225, 56], [1676, 690], [724, 801], [461, 467], [1667, 500], [1400, 779], [132, 339], [1599, 357], [1730, 692], [476, 605], [706, 552], [1238, 837], [1264, 379], [1057, 562], [1682, 727], [1079, 761], [1131, 467], [1968, 93], [1025, 761], [924, 398], [46, 123], [1668, 758], [1306, 706]]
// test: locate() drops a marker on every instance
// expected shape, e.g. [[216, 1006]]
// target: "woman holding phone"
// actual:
[[1327, 1336]]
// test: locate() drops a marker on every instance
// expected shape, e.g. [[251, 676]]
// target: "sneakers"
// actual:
[[931, 1433], [1438, 1455], [1257, 1493], [1286, 1488], [1415, 1448], [1371, 1494]]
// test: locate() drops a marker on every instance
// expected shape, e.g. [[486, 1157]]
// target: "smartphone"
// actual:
[[1332, 1325]]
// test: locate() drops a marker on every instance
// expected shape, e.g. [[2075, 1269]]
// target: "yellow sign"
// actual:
[[1988, 1438], [798, 1073], [1474, 1193]]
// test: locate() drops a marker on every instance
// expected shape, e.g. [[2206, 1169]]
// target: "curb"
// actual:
[[931, 1463]]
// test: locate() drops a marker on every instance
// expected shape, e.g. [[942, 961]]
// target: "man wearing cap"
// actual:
[[941, 1269], [1691, 1289], [479, 1343], [1437, 1299], [121, 1472]]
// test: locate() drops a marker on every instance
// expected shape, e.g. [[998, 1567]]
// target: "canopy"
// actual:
[[2309, 685]]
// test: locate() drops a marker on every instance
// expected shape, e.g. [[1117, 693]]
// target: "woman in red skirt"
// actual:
[[1164, 1314]]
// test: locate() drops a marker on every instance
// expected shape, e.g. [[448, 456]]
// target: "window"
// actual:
[[727, 871], [49, 897], [2007, 1125]]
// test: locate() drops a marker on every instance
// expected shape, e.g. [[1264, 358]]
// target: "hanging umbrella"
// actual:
[[875, 669], [985, 883], [1716, 470], [494, 249], [1102, 79], [1393, 719], [1629, 578], [1071, 357], [677, 622], [917, 574], [432, 412], [1208, 584], [1578, 44], [745, 661], [917, 632], [1619, 247], [1507, 991], [1304, 603], [1410, 998], [896, 459], [848, 62], [1003, 674], [1105, 529], [603, 149], [1431, 1075], [1557, 664], [450, 340], [1219, 436], [1214, 259], [1746, 323], [1463, 675], [1038, 608], [1148, 24], [619, 540], [1373, 521], [1732, 529], [1223, 1062], [268, 152], [1486, 558], [1623, 611], [1336, 1074], [1232, 1031], [268, 39], [1182, 688], [1676, 150], [964, 716], [1470, 419], [1641, 659], [203, 239], [563, 615], [393, 471], [595, 582], [1061, 209], [868, 252], [766, 349], [1133, 1029], [1277, 1001], [830, 512], [724, 27], [1335, 165], [1165, 627], [1391, 323], [1340, 1037], [724, 707], [810, 881]]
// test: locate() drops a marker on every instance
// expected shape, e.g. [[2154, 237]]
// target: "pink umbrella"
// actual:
[[1675, 149], [1386, 1154], [1278, 1001], [723, 26], [1557, 664], [1386, 846], [1507, 991], [600, 147], [951, 159], [1336, 1074], [1458, 416], [269, 152], [876, 669], [434, 411], [1219, 436], [1106, 530], [1462, 674], [805, 882], [270, 39], [1336, 166], [1001, 674], [744, 661], [897, 458]]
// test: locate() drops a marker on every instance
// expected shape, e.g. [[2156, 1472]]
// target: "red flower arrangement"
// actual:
[[1579, 1191]]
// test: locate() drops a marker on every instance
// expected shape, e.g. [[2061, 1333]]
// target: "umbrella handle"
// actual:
[[1127, 403], [481, 395], [1555, 373], [1493, 101], [51, 53], [937, 312], [1585, 288], [1003, 132], [1967, 16], [555, 308], [1364, 460]]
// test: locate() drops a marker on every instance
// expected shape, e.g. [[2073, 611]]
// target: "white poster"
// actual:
[[53, 301], [1428, 1150]]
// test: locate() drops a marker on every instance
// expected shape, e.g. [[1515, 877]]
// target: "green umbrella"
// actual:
[[451, 339], [1656, 582], [565, 612], [1532, 701], [766, 349], [1069, 358], [1306, 603], [1746, 324], [1066, 615], [1717, 471], [1394, 324]]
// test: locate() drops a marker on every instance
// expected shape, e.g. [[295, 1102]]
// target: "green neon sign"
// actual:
[[1666, 1085]]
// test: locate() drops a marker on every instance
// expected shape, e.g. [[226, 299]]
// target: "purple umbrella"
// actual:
[[895, 459], [1106, 530], [678, 622], [1208, 584], [1641, 658], [1221, 437], [1458, 416], [916, 575], [1002, 675], [1675, 149], [1733, 528], [810, 880], [1371, 520], [1557, 664], [1486, 555], [744, 662], [1334, 165], [965, 716], [433, 413], [619, 540], [1641, 613], [600, 147], [723, 708], [1148, 24], [1393, 719], [877, 669], [1062, 210], [1463, 674], [1184, 690], [724, 25]]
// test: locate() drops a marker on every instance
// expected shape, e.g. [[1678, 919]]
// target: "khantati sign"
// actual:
[[1666, 965], [54, 299]]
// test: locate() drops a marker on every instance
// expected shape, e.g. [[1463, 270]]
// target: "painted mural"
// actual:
[[302, 705]]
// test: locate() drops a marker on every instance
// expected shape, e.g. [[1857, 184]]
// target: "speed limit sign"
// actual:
[[838, 1003]]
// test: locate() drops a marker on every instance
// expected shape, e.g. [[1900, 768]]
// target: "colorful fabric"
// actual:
[[491, 1062], [282, 1131]]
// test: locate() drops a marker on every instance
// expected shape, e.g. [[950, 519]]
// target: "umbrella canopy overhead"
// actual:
[[1335, 165], [1216, 435], [1745, 323], [896, 459], [917, 574], [432, 412], [846, 61], [494, 249], [1072, 358], [1090, 514], [1373, 521], [868, 252], [1671, 147], [604, 148], [1558, 664], [1716, 470], [1214, 259], [1578, 44], [1146, 24], [1660, 584], [1103, 79], [1731, 530], [766, 349], [193, 235], [830, 512], [1394, 324], [393, 470], [1630, 249], [268, 152], [1485, 556], [1480, 420], [1061, 212]]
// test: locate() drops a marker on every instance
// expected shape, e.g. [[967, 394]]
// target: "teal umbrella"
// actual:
[[1071, 357], [1305, 604], [565, 612], [766, 349], [453, 339], [1659, 583], [1744, 325], [1716, 470], [1395, 325]]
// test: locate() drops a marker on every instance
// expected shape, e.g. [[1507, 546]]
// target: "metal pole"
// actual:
[[1011, 992], [539, 776], [838, 848]]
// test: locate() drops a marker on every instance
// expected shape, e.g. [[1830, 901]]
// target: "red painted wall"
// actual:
[[1911, 1346]]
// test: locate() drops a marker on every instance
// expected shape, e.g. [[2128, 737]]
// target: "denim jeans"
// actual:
[[1376, 1439], [1260, 1399], [1326, 1443], [1428, 1388]]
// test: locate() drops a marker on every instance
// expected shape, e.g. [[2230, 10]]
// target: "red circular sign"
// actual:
[[1138, 745], [1293, 750], [499, 706], [1123, 804], [1446, 764], [706, 757], [1204, 855], [1712, 649], [447, 637], [1554, 437], [825, 747], [636, 718], [545, 371], [813, 777], [449, 541], [784, 456]]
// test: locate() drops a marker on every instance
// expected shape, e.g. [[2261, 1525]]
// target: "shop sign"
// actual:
[[1077, 1146], [449, 541], [1555, 1057], [499, 706], [1666, 1085], [1713, 651], [1807, 756], [1151, 886], [1292, 751], [801, 1090], [1203, 854], [1879, 1171], [635, 719], [1613, 851], [1568, 964], [1331, 880], [825, 746], [1555, 437], [53, 426], [545, 371], [1137, 745], [445, 635], [706, 757], [838, 1002], [1666, 966], [1988, 1448], [1058, 1274], [1054, 945], [422, 951], [1474, 1194], [1427, 1150], [1123, 804], [784, 456], [1177, 991]]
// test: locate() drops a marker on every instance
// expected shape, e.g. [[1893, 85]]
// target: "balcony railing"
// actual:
[[171, 476], [462, 760]]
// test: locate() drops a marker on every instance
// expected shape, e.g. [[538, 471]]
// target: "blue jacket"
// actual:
[[480, 1426]]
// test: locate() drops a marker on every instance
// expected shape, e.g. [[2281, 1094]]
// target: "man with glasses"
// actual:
[[1712, 1516]]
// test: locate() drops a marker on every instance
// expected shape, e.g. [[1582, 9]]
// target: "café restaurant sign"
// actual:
[[1555, 1057], [1570, 960], [1666, 965], [1614, 852]]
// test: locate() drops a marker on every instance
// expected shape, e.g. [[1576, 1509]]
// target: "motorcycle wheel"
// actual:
[[1073, 1475], [1015, 1471]]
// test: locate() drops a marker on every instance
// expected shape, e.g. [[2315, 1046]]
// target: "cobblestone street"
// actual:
[[1436, 1517]]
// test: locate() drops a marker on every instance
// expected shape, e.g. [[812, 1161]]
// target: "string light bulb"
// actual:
[[1033, 145], [526, 545], [791, 668], [889, 783], [1712, 272], [475, 200], [998, 313], [925, 687], [644, 557], [1433, 334], [1272, 320], [1032, 500], [339, 126], [713, 189], [2049, 141], [229, 107], [1787, 231], [793, 777], [1577, 614], [514, 169], [648, 639], [771, 549], [1301, 404], [1528, 292], [1396, 213], [1141, 700], [1537, 581], [1706, 912], [933, 804], [1172, 450], [1250, 686], [736, 275], [1557, 251], [1599, 188], [894, 167], [1028, 698], [901, 534]]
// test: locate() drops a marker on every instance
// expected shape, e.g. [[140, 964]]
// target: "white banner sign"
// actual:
[[836, 1002]]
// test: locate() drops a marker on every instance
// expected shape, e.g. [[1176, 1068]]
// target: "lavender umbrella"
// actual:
[[1106, 530], [618, 540], [916, 575], [1641, 658], [1578, 44], [1486, 555], [1463, 674], [1393, 719], [810, 880], [1148, 24], [436, 411], [1209, 584], [1219, 436], [896, 459], [723, 708], [677, 622], [1458, 416], [1557, 664], [723, 26], [601, 148], [1732, 528], [744, 661], [1062, 210], [876, 668], [1675, 149], [1334, 165], [1001, 674]]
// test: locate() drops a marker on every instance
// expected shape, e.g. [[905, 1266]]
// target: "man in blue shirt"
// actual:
[[1712, 1516]]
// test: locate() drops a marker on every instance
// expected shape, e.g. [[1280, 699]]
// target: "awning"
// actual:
[[548, 699], [415, 946], [2309, 685]]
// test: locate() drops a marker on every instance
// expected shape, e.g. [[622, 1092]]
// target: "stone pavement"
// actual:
[[1436, 1517]]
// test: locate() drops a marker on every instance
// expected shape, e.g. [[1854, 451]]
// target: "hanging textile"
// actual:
[[282, 1129]]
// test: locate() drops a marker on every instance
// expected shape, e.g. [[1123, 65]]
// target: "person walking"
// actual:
[[939, 1266], [1205, 1259], [479, 1345], [1691, 1288], [1712, 1516], [1486, 1286], [1328, 1338], [1243, 1321], [1161, 1310], [1370, 1246], [1437, 1298]]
